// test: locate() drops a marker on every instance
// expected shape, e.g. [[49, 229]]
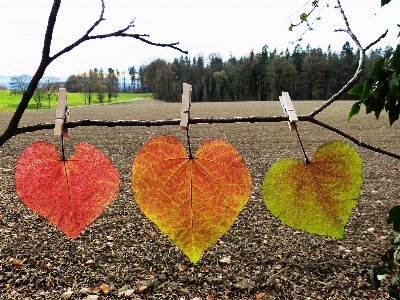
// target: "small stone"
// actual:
[[244, 283], [129, 292], [147, 282], [226, 260], [143, 289], [121, 291], [67, 294], [215, 280], [84, 290]]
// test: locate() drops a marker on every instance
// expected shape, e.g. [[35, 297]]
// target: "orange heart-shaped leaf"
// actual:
[[71, 194], [193, 200]]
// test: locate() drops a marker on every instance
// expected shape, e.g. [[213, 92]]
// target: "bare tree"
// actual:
[[123, 73], [112, 83], [100, 85], [19, 84], [50, 85], [132, 74], [46, 59], [39, 95]]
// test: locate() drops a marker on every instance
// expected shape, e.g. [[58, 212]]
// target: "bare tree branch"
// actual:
[[360, 67], [50, 28], [118, 33], [353, 139], [47, 60], [101, 18], [377, 40], [347, 30], [344, 89], [210, 120]]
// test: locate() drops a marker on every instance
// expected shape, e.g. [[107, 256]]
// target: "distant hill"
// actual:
[[5, 81]]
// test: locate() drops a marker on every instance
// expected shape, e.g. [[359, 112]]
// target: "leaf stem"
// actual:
[[301, 144], [188, 141], [62, 148]]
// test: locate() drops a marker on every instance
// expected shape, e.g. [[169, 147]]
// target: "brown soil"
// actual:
[[268, 260]]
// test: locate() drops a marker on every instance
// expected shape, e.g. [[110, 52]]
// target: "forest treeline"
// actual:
[[97, 83], [307, 74]]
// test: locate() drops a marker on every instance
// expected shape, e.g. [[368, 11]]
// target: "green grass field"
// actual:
[[10, 102]]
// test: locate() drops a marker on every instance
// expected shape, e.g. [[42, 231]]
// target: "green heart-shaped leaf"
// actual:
[[316, 196]]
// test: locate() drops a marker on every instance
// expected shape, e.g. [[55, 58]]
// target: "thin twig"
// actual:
[[377, 40], [101, 18], [353, 139], [314, 7], [344, 89], [309, 26], [276, 274], [347, 30]]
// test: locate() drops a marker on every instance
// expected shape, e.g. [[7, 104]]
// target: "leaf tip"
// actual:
[[355, 109]]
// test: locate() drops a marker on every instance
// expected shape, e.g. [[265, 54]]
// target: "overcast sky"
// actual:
[[201, 27]]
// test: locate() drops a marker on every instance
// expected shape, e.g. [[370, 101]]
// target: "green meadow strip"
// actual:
[[10, 102]]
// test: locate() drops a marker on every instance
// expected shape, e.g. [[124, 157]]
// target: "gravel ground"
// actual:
[[258, 258]]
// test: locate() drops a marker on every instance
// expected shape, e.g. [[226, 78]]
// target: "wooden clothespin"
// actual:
[[62, 113], [288, 109], [186, 102]]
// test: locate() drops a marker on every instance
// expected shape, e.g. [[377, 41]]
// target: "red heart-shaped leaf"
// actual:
[[193, 200], [71, 194]]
